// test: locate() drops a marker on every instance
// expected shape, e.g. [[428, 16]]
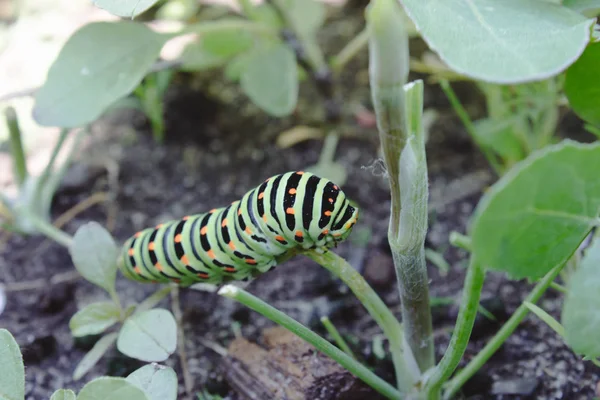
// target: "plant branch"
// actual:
[[47, 228], [16, 146], [317, 341], [349, 51], [507, 329], [462, 331]]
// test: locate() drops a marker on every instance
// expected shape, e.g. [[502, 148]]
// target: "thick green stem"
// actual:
[[47, 229], [16, 146], [398, 107], [349, 51], [407, 371], [462, 331], [318, 342], [507, 329]]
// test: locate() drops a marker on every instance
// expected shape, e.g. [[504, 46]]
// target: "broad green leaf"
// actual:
[[588, 8], [157, 381], [582, 85], [196, 58], [125, 8], [63, 394], [99, 64], [94, 318], [95, 354], [149, 336], [270, 79], [94, 253], [508, 41], [499, 135], [581, 310], [235, 68], [109, 388], [227, 43], [537, 214], [268, 15], [12, 370]]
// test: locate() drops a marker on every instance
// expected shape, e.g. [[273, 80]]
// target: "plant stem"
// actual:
[[466, 120], [349, 51], [507, 329], [407, 370], [399, 107], [337, 337], [50, 166], [461, 241], [318, 342], [16, 146], [48, 229], [462, 331]]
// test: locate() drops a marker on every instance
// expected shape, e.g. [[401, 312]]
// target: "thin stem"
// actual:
[[318, 342], [329, 146], [47, 229], [50, 166], [188, 381], [462, 331], [349, 51], [407, 370], [461, 241], [16, 146], [337, 337], [507, 329], [466, 120]]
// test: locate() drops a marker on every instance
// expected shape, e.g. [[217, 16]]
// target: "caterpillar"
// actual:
[[294, 210]]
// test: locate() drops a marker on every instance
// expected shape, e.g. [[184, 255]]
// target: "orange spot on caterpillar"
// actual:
[[239, 211], [349, 225], [184, 260], [325, 232], [299, 233], [265, 217], [292, 191], [280, 238], [212, 211], [137, 270], [159, 226], [137, 235], [290, 211], [211, 253], [337, 234], [203, 275], [178, 238], [335, 187], [224, 223], [327, 213], [230, 269], [261, 195], [130, 252], [300, 172], [231, 245], [248, 230], [151, 246], [204, 230], [251, 261], [330, 200], [158, 266], [186, 217]]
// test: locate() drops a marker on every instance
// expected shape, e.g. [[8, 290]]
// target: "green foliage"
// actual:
[[94, 253], [109, 388], [95, 318], [12, 371], [588, 8], [580, 315], [149, 336], [582, 85], [125, 8], [150, 94], [535, 216], [94, 355], [81, 85], [157, 381], [508, 41], [63, 394]]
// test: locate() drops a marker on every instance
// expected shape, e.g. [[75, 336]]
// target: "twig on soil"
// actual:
[[62, 277], [188, 381], [98, 197]]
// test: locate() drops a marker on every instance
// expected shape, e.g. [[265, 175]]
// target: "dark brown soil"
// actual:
[[215, 152]]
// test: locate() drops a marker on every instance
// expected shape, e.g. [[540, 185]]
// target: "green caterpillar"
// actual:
[[287, 211]]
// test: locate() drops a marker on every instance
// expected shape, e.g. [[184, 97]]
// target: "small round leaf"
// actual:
[[94, 318], [63, 394], [157, 381], [109, 388], [149, 336], [12, 370]]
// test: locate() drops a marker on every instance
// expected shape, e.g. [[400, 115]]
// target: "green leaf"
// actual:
[[86, 79], [125, 8], [109, 388], [582, 85], [157, 381], [12, 370], [95, 354], [94, 254], [581, 310], [270, 79], [508, 41], [227, 43], [149, 336], [196, 58], [537, 214], [589, 8], [499, 136], [63, 394], [547, 318], [307, 15], [94, 318], [268, 15]]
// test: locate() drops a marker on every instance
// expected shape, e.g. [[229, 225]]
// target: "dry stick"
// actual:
[[69, 276], [78, 208], [188, 382]]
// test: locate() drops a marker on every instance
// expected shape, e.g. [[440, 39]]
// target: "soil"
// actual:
[[217, 147]]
